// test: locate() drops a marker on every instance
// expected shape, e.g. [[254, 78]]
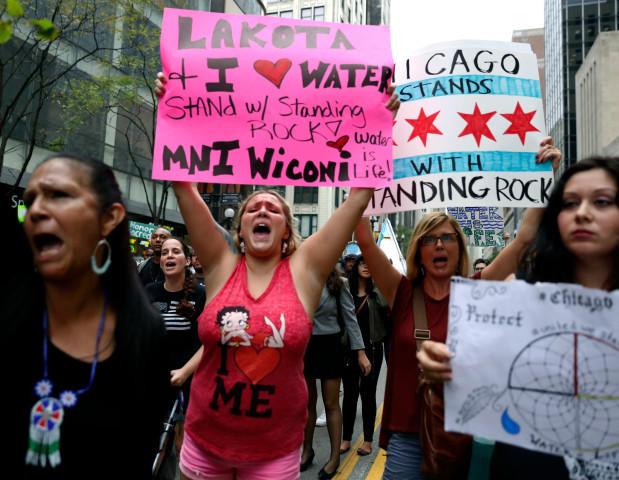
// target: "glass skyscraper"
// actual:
[[571, 27]]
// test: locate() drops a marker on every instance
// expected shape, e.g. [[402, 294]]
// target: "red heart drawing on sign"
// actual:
[[339, 144], [256, 364], [274, 72]]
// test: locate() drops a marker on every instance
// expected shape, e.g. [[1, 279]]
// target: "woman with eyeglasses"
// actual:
[[436, 252], [577, 242]]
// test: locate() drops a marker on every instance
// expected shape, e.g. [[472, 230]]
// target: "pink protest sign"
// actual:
[[273, 101]]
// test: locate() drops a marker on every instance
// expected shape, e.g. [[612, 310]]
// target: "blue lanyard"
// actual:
[[94, 363]]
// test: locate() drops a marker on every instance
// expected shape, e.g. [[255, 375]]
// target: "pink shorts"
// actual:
[[197, 464]]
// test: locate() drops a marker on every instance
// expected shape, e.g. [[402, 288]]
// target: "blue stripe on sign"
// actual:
[[448, 162], [469, 85]]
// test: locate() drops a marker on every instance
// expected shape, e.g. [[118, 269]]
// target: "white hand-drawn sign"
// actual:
[[535, 366], [469, 126]]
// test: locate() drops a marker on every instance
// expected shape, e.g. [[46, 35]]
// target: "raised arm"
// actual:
[[385, 275], [213, 245], [320, 252], [317, 255], [509, 258]]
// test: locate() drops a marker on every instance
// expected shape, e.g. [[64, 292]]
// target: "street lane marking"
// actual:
[[378, 467], [347, 466]]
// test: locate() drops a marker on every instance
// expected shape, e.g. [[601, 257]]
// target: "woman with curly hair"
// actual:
[[180, 299]]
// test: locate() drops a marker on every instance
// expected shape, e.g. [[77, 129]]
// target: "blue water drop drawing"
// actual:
[[509, 425]]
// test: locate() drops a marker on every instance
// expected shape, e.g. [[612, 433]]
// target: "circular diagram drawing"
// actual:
[[565, 386]]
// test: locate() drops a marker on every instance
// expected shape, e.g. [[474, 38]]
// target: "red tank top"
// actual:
[[248, 394]]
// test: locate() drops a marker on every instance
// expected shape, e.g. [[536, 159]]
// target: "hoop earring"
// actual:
[[242, 246], [422, 270], [284, 246], [93, 258]]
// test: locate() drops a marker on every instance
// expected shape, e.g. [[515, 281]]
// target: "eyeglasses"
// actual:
[[479, 269], [445, 238], [361, 262]]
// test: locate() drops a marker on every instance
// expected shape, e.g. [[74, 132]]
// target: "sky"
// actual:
[[416, 23]]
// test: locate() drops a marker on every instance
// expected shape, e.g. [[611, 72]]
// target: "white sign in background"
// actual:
[[536, 366], [469, 126]]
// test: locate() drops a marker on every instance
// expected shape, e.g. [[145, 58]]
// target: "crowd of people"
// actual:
[[244, 324]]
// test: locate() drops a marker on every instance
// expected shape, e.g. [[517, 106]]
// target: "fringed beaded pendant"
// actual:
[[47, 413], [45, 420]]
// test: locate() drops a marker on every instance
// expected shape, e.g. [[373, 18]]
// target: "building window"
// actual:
[[307, 225], [305, 195], [272, 14], [306, 14], [319, 14], [286, 14], [350, 15]]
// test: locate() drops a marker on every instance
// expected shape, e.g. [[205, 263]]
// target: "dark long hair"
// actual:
[[121, 283], [334, 282], [353, 279], [548, 260], [185, 307]]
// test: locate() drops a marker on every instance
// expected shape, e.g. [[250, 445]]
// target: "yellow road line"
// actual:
[[351, 459], [378, 467]]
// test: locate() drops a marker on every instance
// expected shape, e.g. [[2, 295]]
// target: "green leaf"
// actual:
[[46, 30], [57, 144], [14, 8], [6, 29]]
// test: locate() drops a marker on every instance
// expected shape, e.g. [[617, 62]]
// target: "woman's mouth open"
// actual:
[[47, 245], [440, 262], [261, 230]]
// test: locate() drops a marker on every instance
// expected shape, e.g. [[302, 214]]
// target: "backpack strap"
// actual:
[[421, 331]]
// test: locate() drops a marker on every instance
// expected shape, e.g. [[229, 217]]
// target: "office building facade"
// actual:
[[106, 136], [597, 99], [571, 28]]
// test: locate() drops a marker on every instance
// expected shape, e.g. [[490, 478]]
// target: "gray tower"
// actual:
[[571, 27]]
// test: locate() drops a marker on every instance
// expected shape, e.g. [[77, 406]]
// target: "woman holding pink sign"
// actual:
[[249, 397]]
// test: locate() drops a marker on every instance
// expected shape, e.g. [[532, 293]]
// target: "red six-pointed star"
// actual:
[[422, 126], [476, 124], [521, 122]]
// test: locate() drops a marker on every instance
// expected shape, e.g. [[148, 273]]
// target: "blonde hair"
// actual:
[[428, 223], [294, 240]]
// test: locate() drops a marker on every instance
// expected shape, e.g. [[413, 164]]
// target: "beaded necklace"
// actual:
[[47, 413]]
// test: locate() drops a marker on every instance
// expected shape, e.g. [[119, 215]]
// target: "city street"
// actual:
[[352, 466]]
